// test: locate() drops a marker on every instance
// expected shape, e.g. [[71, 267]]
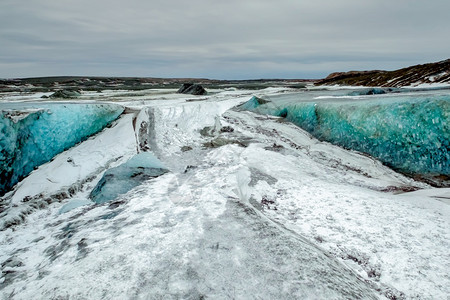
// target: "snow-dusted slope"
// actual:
[[432, 74], [252, 208]]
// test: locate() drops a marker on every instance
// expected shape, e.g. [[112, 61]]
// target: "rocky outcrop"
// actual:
[[193, 89], [66, 94], [438, 72]]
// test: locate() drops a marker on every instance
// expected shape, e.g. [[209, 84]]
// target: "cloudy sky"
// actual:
[[230, 39]]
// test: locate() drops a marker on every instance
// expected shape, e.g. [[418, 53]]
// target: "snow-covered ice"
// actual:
[[253, 207]]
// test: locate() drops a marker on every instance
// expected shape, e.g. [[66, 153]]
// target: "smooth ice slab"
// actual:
[[75, 203], [32, 134], [119, 180], [408, 133]]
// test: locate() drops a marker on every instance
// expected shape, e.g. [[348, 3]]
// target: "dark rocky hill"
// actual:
[[438, 72], [52, 84]]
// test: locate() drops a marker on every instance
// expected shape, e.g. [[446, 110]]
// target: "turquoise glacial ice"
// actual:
[[32, 134], [408, 133], [119, 180]]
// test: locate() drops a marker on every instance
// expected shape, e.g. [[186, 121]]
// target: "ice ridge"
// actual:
[[410, 134]]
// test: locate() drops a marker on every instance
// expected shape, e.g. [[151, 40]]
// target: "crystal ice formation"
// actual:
[[32, 134], [408, 133], [119, 180]]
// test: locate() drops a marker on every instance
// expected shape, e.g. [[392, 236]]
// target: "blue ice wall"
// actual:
[[408, 133], [31, 135], [119, 180]]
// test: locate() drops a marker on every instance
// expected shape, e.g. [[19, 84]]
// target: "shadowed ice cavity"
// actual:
[[33, 133], [119, 180], [408, 133]]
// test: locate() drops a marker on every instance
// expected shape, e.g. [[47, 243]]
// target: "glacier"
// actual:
[[272, 212], [409, 133], [32, 134]]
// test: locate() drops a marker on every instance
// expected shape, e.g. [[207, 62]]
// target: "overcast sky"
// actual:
[[229, 39]]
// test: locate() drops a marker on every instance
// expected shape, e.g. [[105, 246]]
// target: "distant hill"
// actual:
[[438, 72]]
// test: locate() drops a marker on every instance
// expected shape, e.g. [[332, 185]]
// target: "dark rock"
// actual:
[[189, 167], [275, 147], [226, 129], [186, 148], [193, 89], [268, 203], [66, 94], [219, 142], [261, 101], [12, 262]]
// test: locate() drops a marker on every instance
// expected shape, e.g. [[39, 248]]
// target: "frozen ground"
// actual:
[[252, 208]]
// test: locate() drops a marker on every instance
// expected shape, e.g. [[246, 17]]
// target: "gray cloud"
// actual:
[[227, 39]]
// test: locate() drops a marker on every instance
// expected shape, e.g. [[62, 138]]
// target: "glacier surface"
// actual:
[[270, 213], [32, 134]]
